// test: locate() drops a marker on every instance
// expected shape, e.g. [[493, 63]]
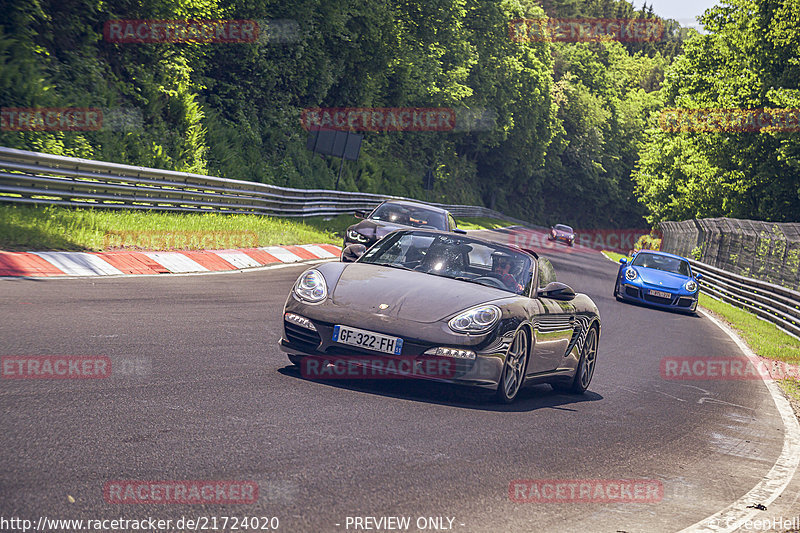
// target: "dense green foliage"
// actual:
[[750, 59], [570, 117]]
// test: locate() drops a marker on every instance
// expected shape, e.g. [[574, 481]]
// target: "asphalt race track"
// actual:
[[207, 395]]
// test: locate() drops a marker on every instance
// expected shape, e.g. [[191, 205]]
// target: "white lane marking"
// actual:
[[671, 396], [777, 479], [318, 250], [707, 393], [714, 400], [176, 262], [239, 259], [78, 263], [282, 254]]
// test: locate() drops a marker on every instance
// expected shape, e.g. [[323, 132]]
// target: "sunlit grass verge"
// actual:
[[764, 338], [482, 223], [36, 228], [339, 224], [614, 256]]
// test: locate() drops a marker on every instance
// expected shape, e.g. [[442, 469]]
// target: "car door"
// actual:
[[554, 324]]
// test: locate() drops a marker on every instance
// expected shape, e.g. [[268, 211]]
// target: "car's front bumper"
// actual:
[[678, 300], [482, 371], [566, 240]]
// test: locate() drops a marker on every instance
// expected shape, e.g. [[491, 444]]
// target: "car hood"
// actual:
[[660, 278], [376, 228], [414, 296]]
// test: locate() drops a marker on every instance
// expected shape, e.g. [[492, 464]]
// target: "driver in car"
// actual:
[[504, 268]]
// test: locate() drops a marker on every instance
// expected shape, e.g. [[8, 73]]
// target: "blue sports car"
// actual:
[[658, 279]]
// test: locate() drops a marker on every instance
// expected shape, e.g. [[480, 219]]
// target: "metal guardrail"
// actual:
[[39, 178], [773, 303], [768, 251]]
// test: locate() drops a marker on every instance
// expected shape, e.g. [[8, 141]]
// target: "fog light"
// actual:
[[451, 352], [301, 321]]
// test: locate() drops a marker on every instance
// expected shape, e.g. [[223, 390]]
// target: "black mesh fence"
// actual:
[[768, 251]]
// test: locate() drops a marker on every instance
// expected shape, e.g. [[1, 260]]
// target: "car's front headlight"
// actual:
[[630, 274], [353, 235], [690, 285], [311, 287], [476, 320]]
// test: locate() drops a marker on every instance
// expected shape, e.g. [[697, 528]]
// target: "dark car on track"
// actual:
[[493, 313], [562, 233], [659, 279], [397, 214]]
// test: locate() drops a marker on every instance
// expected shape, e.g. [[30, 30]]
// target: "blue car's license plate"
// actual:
[[660, 294]]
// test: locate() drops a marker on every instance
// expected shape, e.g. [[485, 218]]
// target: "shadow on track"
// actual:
[[530, 398]]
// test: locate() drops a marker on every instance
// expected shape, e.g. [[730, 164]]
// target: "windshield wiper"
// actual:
[[392, 265]]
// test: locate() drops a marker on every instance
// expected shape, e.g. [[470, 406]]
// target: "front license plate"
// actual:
[[367, 339], [660, 294]]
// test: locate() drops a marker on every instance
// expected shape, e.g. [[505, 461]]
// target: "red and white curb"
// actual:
[[45, 264]]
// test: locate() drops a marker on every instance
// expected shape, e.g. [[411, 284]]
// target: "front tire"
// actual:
[[513, 369], [616, 292]]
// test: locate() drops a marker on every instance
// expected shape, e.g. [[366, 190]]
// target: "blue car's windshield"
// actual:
[[662, 262]]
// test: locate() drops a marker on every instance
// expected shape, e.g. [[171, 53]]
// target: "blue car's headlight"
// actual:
[[690, 285], [630, 274], [476, 320], [353, 235], [311, 287]]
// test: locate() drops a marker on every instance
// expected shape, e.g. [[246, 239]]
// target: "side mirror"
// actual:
[[352, 252], [459, 231], [623, 261], [557, 291], [360, 214], [698, 276]]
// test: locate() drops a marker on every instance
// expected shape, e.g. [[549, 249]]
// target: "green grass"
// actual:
[[482, 223], [339, 224], [335, 225], [764, 338], [614, 256], [60, 228]]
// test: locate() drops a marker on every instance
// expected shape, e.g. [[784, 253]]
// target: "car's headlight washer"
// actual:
[[311, 287], [630, 274], [476, 320], [690, 285], [353, 235]]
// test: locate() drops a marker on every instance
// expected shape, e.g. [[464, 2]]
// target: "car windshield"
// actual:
[[410, 215], [562, 227], [662, 262], [454, 257]]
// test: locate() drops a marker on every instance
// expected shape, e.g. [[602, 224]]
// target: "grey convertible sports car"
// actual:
[[434, 305]]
